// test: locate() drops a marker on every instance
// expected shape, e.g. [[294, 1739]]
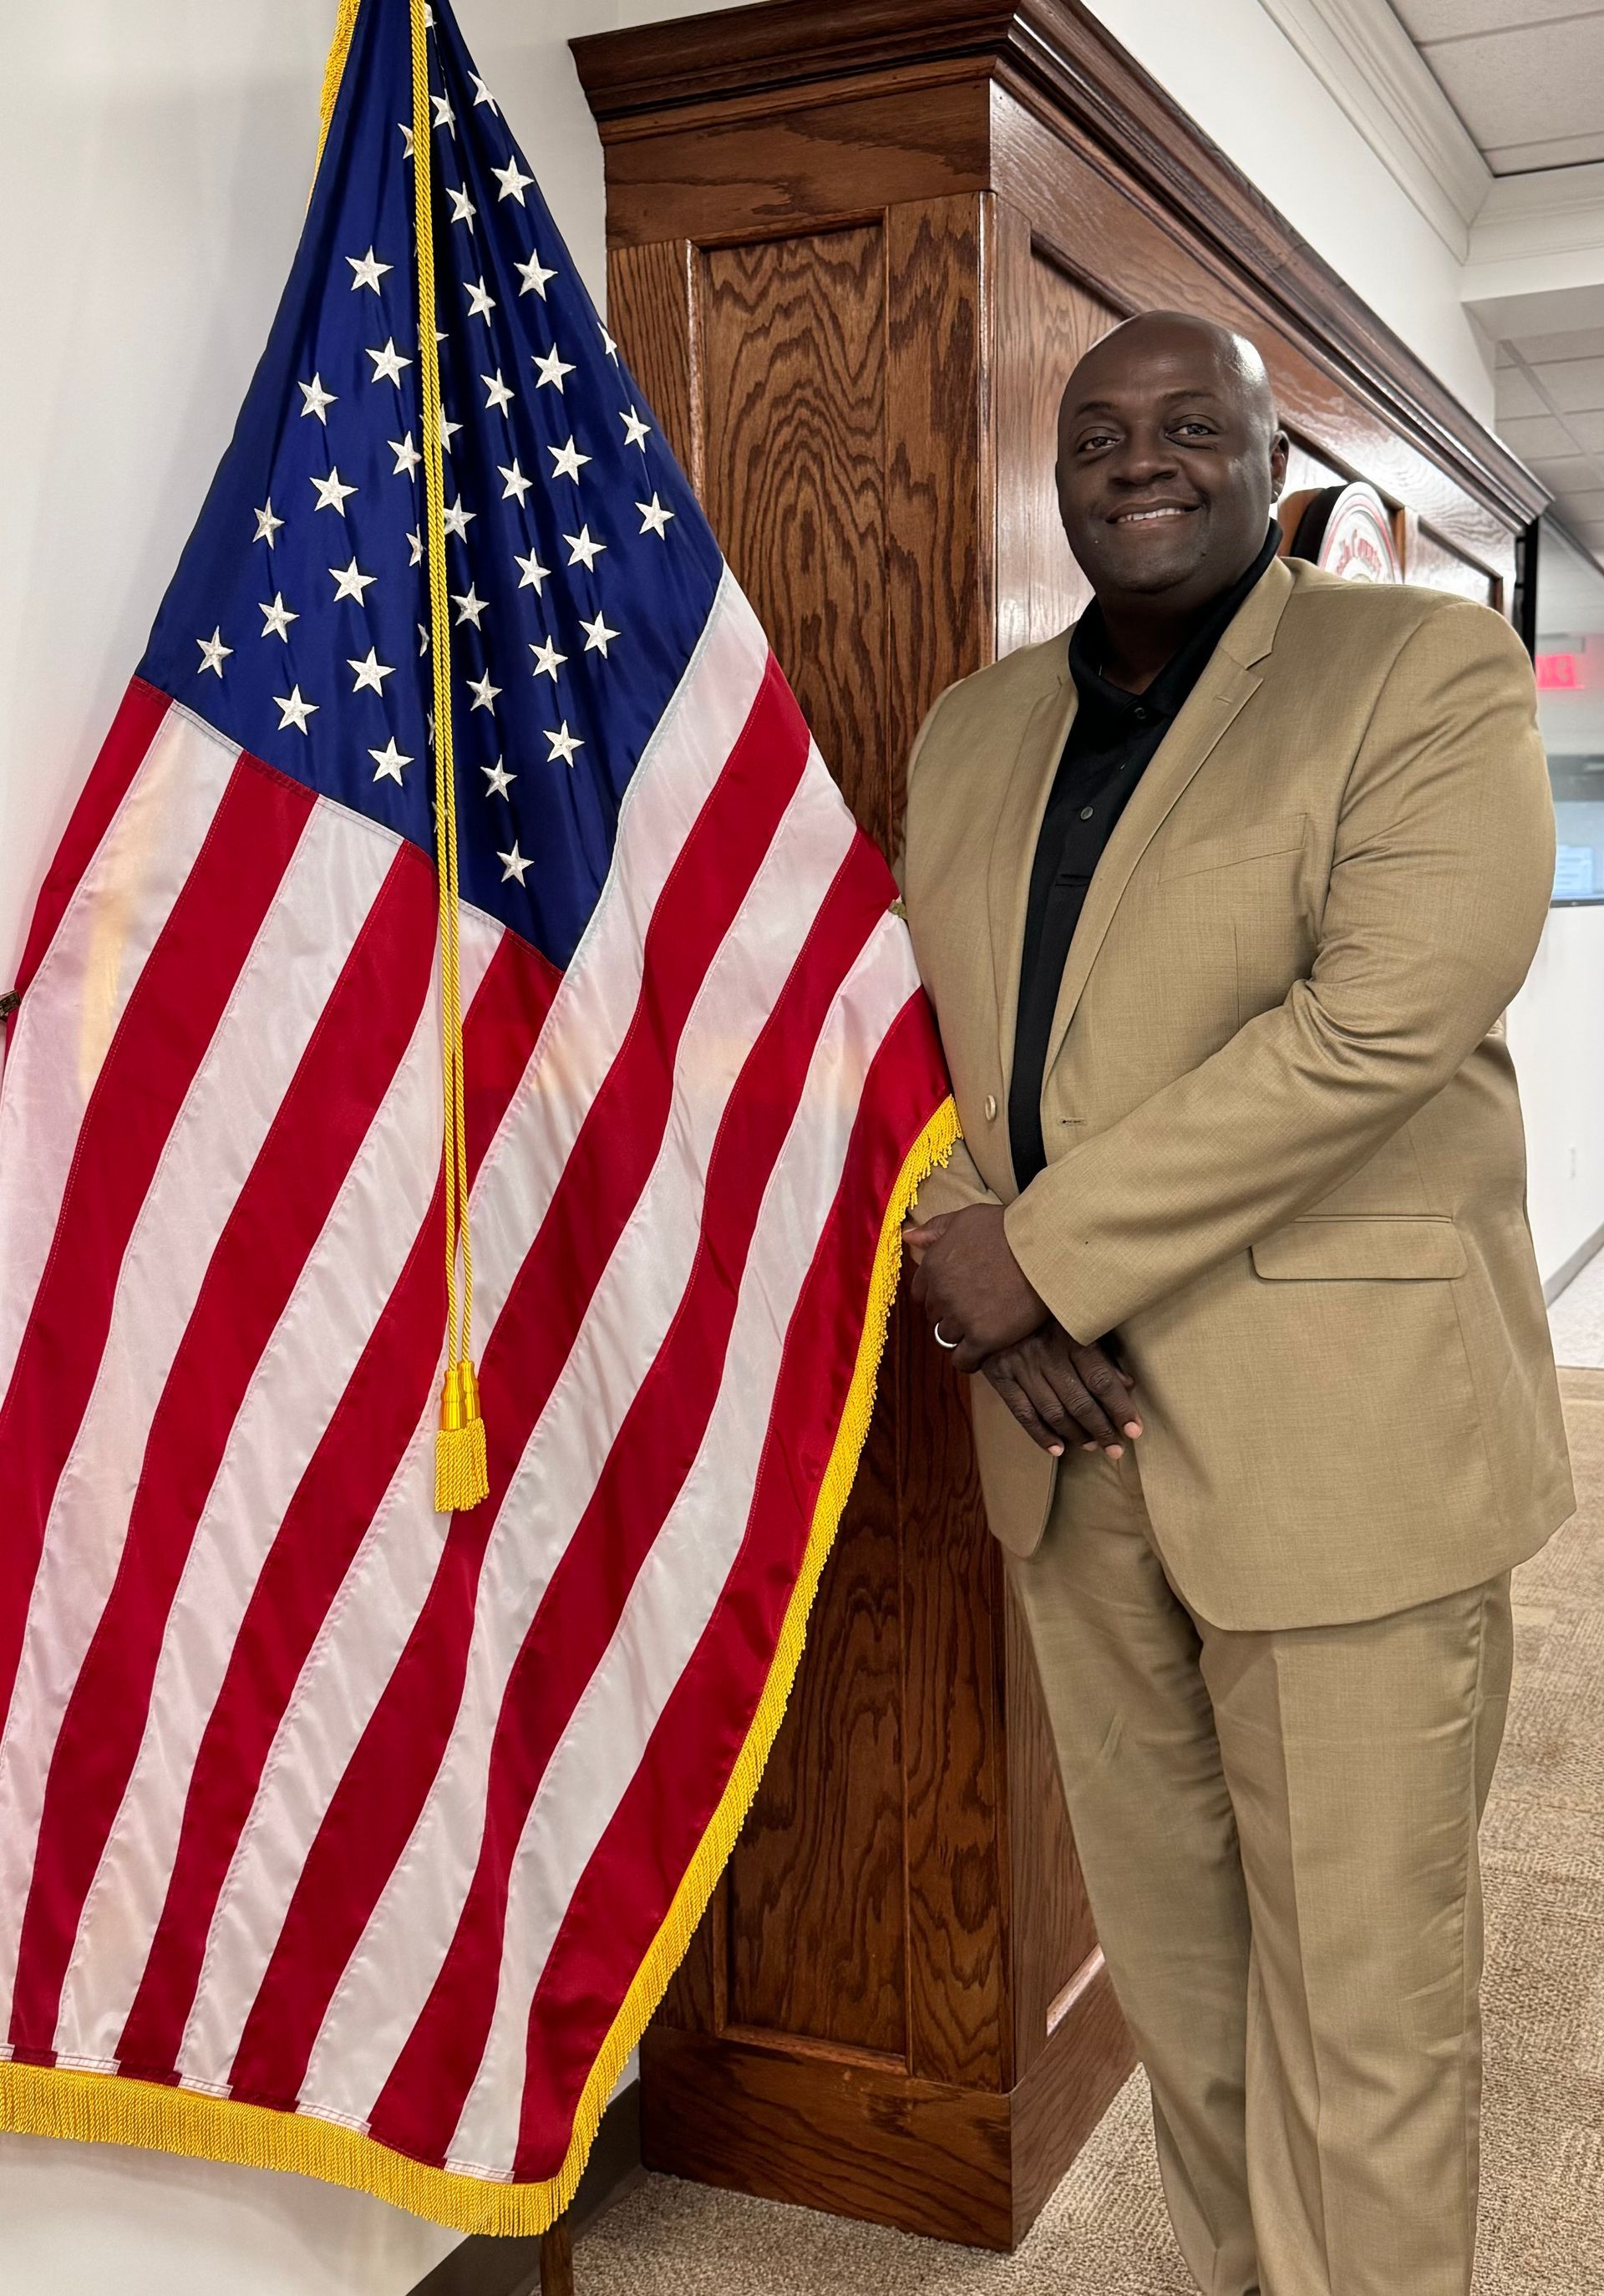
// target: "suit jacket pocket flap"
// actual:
[[1187, 856], [1360, 1248]]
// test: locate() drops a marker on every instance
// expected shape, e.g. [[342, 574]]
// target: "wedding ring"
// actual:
[[941, 1342]]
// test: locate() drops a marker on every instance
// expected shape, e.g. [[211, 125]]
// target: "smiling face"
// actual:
[[1169, 460]]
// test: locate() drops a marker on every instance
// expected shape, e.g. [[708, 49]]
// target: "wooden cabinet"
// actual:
[[854, 250]]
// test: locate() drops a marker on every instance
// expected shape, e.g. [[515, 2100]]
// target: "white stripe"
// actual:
[[590, 1011], [77, 996], [389, 1978], [673, 1595], [284, 985], [339, 1298]]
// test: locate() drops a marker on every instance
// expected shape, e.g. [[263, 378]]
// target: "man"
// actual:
[[1220, 902]]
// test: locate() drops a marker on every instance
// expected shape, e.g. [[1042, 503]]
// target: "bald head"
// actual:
[[1170, 458]]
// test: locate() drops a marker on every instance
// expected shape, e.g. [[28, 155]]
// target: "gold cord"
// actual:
[[461, 1475]]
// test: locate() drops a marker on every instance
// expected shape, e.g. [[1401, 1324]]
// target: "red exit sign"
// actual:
[[1559, 671]]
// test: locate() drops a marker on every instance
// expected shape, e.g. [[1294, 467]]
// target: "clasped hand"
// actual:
[[976, 1295]]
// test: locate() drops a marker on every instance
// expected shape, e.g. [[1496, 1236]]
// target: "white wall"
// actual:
[[153, 171], [1556, 1036], [1247, 86]]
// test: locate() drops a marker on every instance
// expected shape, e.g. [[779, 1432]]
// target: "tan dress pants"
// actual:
[[1278, 1834]]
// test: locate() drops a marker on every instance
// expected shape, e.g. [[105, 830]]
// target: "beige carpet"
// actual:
[[1104, 2232]]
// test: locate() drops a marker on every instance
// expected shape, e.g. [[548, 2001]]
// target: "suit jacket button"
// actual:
[[991, 1107]]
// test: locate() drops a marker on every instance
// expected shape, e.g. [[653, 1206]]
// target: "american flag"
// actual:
[[336, 1833]]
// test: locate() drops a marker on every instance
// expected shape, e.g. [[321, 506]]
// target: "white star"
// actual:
[[468, 604], [371, 672], [500, 780], [583, 549], [533, 572], [551, 369], [515, 864], [277, 618], [315, 399], [448, 430], [566, 460], [534, 275], [563, 745], [481, 302], [388, 363], [597, 636], [349, 584], [423, 649], [484, 693], [481, 94], [456, 520], [654, 518], [214, 653], [388, 761], [443, 116], [497, 393], [330, 493], [607, 344], [513, 183], [369, 271], [462, 209], [517, 484], [267, 526], [417, 539], [546, 658], [296, 712], [406, 138], [407, 457], [636, 431]]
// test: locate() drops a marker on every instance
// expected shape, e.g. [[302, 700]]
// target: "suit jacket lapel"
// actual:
[[1225, 687], [1018, 826]]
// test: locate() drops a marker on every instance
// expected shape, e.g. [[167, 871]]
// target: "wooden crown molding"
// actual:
[[1055, 57]]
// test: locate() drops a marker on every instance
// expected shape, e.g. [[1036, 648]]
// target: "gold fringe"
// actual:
[[345, 24], [105, 2108]]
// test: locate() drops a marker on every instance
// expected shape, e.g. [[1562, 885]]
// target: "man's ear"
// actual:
[[1280, 447]]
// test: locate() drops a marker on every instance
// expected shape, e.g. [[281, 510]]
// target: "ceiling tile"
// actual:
[[1580, 342], [1574, 385], [1587, 430], [1532, 158], [1564, 474], [1513, 394], [1446, 19], [1536, 434], [1526, 85]]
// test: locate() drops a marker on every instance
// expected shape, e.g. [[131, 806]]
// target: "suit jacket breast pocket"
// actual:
[[1250, 885]]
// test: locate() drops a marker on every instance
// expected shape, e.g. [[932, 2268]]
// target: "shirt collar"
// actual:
[[1165, 697]]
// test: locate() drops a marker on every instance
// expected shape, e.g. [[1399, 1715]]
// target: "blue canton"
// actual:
[[582, 570]]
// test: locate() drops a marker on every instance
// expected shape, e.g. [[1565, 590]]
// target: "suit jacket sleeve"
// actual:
[[955, 1185], [1440, 883]]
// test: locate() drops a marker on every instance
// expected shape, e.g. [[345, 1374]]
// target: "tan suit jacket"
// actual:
[[1286, 1161]]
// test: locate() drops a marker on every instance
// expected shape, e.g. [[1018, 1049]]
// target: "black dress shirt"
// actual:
[[1114, 736]]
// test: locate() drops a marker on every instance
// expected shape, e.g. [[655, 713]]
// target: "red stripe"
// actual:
[[339, 1083], [166, 1025], [642, 1857], [654, 1451], [338, 1496], [139, 715], [376, 1804]]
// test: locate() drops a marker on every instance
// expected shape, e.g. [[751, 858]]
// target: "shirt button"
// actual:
[[1085, 813], [991, 1107], [1141, 717]]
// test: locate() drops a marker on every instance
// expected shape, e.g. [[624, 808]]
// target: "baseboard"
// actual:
[[482, 2266], [1571, 1269]]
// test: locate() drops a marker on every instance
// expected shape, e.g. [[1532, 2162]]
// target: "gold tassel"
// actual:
[[461, 1460]]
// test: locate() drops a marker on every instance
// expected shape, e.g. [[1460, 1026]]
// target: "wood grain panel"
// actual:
[[791, 375], [1046, 321], [793, 335], [649, 299], [1433, 562], [939, 562], [1308, 467]]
